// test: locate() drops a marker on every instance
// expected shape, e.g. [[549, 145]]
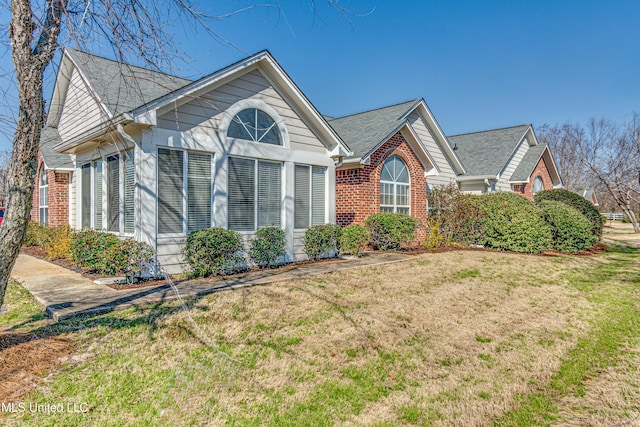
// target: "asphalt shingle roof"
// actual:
[[364, 131], [123, 87], [54, 160], [528, 163], [487, 152]]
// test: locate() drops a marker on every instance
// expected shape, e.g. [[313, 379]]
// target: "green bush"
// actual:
[[511, 222], [321, 241], [127, 257], [353, 240], [390, 231], [571, 231], [88, 249], [36, 235], [268, 246], [578, 202], [213, 251]]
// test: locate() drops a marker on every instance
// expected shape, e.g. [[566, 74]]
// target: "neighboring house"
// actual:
[[150, 156], [508, 159], [590, 195], [156, 157], [398, 152]]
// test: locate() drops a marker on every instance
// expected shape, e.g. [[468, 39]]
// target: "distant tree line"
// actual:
[[603, 155]]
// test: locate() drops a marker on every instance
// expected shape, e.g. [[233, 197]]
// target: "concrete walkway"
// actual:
[[65, 294]]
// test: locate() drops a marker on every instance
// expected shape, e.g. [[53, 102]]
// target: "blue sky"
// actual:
[[478, 64]]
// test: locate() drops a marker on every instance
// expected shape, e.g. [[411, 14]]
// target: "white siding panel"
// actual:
[[72, 200], [473, 187], [81, 111], [298, 246], [207, 110], [515, 161], [447, 174]]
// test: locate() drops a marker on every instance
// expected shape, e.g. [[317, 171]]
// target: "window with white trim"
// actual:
[[394, 186], [254, 124], [97, 195], [310, 196], [113, 193], [184, 191], [43, 211], [85, 206], [254, 203], [538, 185]]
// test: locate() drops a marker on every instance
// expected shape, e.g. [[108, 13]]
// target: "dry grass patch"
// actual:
[[448, 338]]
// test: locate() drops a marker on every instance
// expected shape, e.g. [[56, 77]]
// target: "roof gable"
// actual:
[[530, 161], [366, 131], [488, 152], [148, 112]]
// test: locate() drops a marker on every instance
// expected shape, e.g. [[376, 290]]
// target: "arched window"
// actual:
[[394, 186], [43, 216], [538, 185], [254, 125]]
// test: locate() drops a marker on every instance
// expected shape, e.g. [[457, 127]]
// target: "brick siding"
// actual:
[[358, 190], [58, 196], [542, 171]]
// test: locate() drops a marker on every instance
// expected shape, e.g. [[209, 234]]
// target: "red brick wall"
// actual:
[[358, 190], [58, 196], [542, 171]]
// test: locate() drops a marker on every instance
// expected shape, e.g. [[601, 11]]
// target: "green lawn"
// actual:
[[457, 338]]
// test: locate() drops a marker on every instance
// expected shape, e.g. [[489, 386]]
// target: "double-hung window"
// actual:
[[113, 179], [254, 194], [43, 212], [184, 191], [310, 196]]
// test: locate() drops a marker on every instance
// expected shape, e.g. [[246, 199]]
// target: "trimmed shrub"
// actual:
[[321, 241], [88, 249], [390, 231], [571, 231], [576, 201], [268, 246], [511, 222], [36, 235], [58, 244], [127, 257], [213, 251], [353, 240]]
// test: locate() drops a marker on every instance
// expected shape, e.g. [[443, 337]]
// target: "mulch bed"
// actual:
[[25, 360]]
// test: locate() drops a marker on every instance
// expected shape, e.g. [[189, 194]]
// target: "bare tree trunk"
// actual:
[[626, 209], [30, 64]]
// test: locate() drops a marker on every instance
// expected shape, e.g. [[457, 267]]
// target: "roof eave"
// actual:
[[67, 146]]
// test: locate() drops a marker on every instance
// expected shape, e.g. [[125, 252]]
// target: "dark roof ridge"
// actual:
[[490, 130], [415, 100], [104, 58]]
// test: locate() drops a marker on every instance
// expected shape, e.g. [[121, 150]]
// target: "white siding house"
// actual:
[[240, 149]]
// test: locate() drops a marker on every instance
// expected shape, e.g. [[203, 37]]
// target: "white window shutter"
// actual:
[[97, 196], [198, 191], [301, 197], [318, 195], [269, 194], [241, 194], [129, 186], [86, 196], [170, 191]]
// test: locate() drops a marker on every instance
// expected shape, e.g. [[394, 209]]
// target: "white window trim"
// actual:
[[326, 195], [185, 190], [243, 104], [395, 184], [533, 185], [255, 195], [40, 188]]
